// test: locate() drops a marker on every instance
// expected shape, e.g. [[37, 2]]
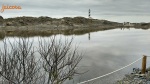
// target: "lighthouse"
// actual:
[[89, 16], [89, 13]]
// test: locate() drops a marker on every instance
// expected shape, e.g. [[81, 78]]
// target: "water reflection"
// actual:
[[125, 28], [89, 36], [108, 51]]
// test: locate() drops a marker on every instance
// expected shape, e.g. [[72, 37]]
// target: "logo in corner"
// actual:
[[8, 7]]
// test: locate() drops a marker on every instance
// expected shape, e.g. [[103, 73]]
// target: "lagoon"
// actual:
[[106, 51]]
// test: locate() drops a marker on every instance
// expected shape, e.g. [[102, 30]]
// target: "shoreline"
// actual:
[[46, 26], [24, 31]]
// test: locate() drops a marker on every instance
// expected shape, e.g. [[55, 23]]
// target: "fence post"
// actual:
[[144, 64]]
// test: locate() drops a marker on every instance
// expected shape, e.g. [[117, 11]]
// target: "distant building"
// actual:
[[90, 18], [128, 24]]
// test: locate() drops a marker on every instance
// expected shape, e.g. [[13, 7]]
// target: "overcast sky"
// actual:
[[115, 10]]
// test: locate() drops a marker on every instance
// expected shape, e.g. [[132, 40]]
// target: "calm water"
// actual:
[[106, 51]]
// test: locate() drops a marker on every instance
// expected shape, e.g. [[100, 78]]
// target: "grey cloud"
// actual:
[[80, 7]]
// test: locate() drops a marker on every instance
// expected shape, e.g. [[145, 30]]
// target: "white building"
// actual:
[[128, 24]]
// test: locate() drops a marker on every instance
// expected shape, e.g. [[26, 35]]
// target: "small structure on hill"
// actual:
[[128, 24], [89, 14]]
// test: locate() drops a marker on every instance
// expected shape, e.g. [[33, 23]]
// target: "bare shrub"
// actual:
[[59, 60], [17, 63]]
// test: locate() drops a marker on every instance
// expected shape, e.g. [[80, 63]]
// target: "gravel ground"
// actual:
[[136, 78]]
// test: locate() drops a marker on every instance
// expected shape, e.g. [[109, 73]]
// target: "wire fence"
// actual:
[[114, 75]]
